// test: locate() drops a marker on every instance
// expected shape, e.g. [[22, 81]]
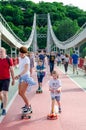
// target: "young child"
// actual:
[[55, 90], [40, 69]]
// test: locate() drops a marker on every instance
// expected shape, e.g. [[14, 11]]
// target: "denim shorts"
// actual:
[[57, 98], [27, 79]]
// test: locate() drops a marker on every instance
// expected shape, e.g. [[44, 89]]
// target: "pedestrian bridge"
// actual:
[[73, 87]]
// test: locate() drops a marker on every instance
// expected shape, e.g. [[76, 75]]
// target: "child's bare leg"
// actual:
[[59, 103], [52, 105], [59, 106]]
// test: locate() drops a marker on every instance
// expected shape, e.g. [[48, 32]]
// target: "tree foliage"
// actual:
[[66, 29], [66, 20]]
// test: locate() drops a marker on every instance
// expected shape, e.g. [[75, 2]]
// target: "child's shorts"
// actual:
[[27, 79], [57, 98]]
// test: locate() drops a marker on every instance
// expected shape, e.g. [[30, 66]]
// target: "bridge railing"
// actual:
[[76, 35], [63, 44], [30, 39], [3, 21]]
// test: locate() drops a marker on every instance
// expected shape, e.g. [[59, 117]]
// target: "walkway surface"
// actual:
[[73, 116]]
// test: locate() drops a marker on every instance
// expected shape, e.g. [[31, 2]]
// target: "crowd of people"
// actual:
[[25, 78]]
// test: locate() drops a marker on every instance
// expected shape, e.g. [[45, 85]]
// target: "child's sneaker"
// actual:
[[60, 110], [39, 88], [3, 112], [1, 105]]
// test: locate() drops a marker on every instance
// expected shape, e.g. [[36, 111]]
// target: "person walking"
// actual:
[[75, 59], [31, 63], [51, 61], [66, 62], [6, 68], [58, 59]]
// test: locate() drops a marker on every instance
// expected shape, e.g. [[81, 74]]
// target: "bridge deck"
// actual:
[[73, 107]]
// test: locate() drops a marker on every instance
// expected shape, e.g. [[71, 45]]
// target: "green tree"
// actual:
[[81, 20], [83, 50], [27, 32], [66, 29]]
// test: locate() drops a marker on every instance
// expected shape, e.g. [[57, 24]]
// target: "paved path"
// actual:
[[73, 108]]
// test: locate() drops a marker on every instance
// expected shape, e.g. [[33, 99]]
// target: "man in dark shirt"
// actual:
[[51, 61], [42, 56]]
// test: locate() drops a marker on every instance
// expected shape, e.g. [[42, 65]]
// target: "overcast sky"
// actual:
[[79, 3]]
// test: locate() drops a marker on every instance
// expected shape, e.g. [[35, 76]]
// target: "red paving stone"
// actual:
[[72, 116]]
